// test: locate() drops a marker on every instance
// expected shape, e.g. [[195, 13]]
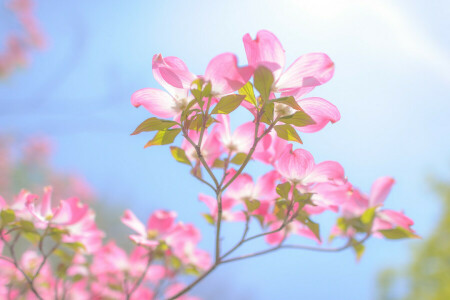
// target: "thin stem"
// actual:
[[200, 157], [194, 283], [205, 117], [219, 222], [302, 247], [140, 279], [16, 263], [247, 222], [252, 149]]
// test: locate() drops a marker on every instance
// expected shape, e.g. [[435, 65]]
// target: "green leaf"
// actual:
[[197, 122], [154, 124], [192, 270], [290, 101], [7, 216], [358, 248], [61, 270], [283, 190], [299, 119], [218, 163], [175, 262], [368, 216], [32, 236], [341, 223], [63, 255], [302, 198], [209, 218], [227, 104], [267, 116], [288, 133], [397, 233], [239, 158], [263, 79], [186, 112], [207, 90], [180, 155], [252, 205], [163, 137], [247, 91], [260, 220], [314, 227], [75, 246], [27, 226]]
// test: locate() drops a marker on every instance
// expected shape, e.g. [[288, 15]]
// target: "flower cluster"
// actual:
[[18, 45], [68, 260], [286, 200]]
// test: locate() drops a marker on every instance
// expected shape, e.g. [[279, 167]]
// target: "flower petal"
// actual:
[[321, 111], [130, 220], [325, 172], [295, 165], [308, 70], [155, 101], [380, 189], [173, 74], [265, 50], [224, 74]]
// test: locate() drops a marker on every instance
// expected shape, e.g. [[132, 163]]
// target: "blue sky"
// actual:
[[390, 85]]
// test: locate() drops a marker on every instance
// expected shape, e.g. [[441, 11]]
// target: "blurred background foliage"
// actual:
[[427, 276]]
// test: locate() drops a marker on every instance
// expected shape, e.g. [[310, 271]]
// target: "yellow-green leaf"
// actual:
[[288, 133], [239, 158], [252, 205], [228, 104], [398, 233], [247, 91], [163, 137], [154, 124], [299, 119], [263, 79], [180, 155], [290, 101]]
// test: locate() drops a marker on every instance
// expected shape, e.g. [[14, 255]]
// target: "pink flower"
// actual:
[[175, 77], [227, 208], [210, 148], [68, 212], [307, 72], [270, 148], [224, 74], [298, 166], [159, 225], [241, 140]]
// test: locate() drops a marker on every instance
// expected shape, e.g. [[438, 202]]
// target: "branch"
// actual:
[[302, 247], [140, 279]]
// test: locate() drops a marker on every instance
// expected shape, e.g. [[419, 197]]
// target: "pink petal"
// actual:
[[130, 220], [162, 221], [295, 165], [265, 50], [173, 74], [308, 70], [324, 172], [224, 74], [380, 189], [155, 101], [242, 187], [210, 202], [321, 111], [244, 136], [397, 218], [46, 203], [265, 187]]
